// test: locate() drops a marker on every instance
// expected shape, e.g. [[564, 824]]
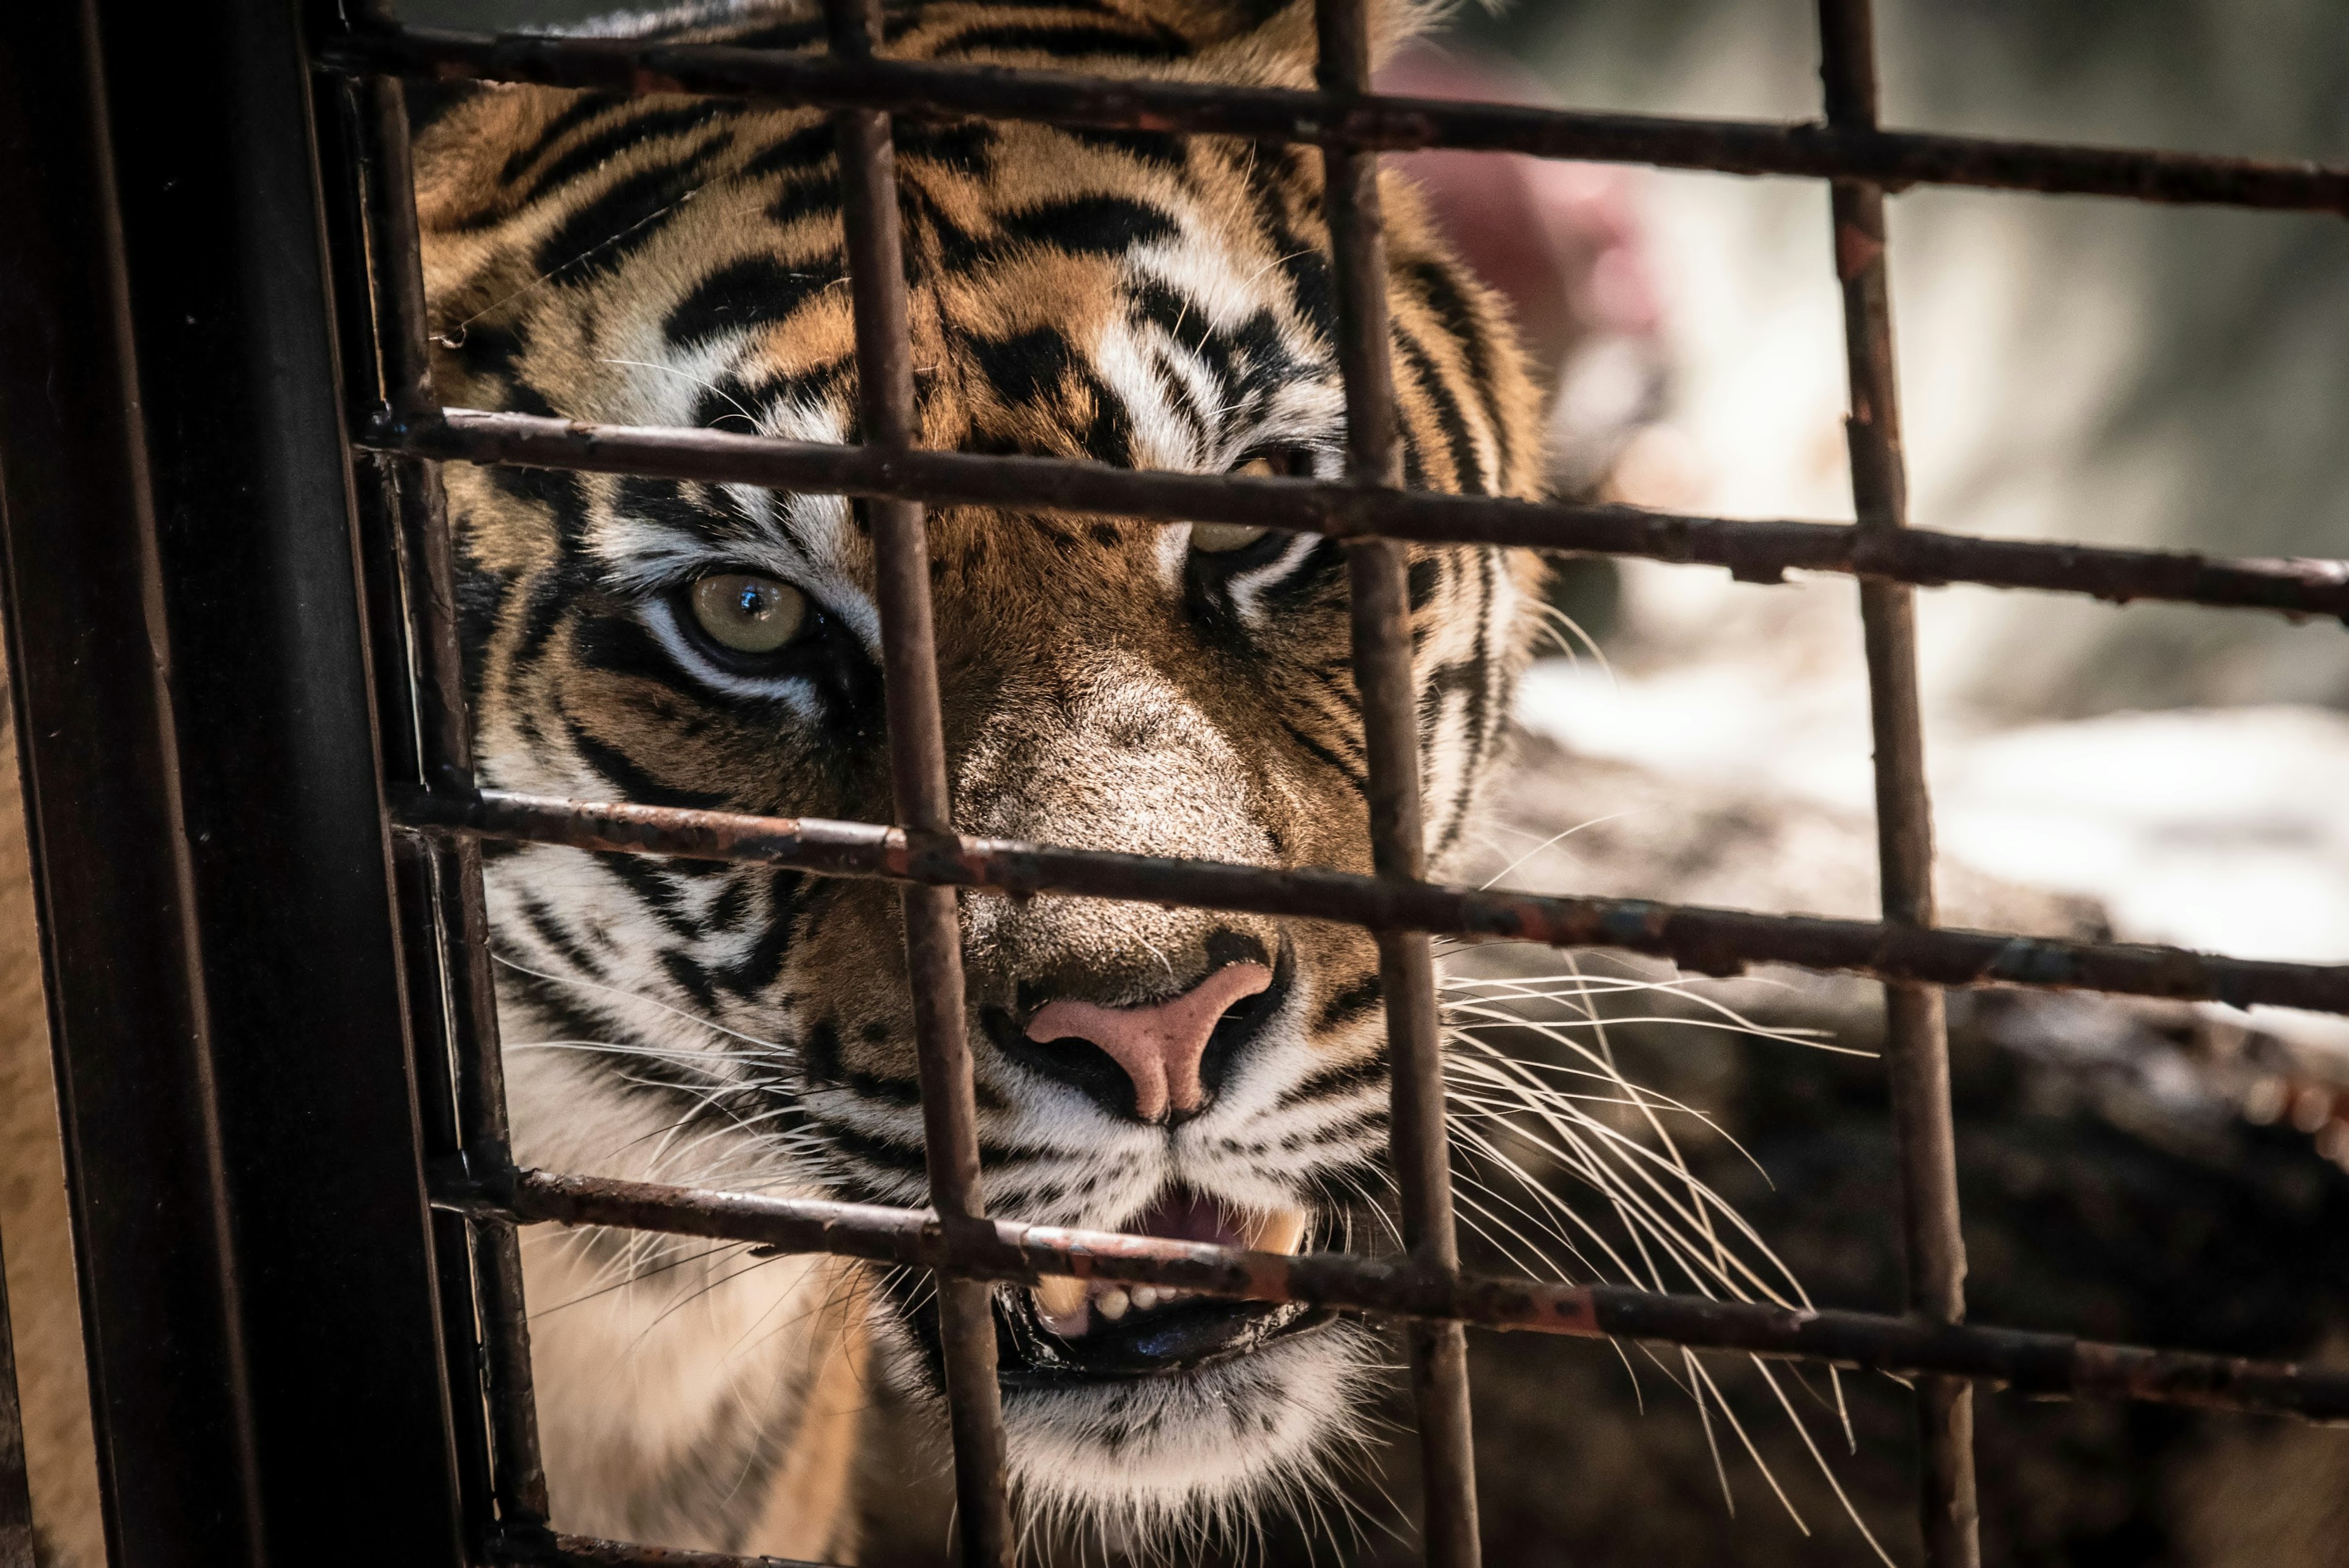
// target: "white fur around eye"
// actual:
[[797, 691], [1246, 588]]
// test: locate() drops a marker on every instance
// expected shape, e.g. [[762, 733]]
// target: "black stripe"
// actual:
[[1450, 306], [1338, 1081], [653, 889], [763, 965], [745, 293], [555, 934], [582, 109], [1467, 467], [1354, 1002], [1155, 148], [1350, 772], [689, 977], [963, 146], [632, 782], [1066, 41], [1093, 225], [592, 152], [596, 239], [801, 152]]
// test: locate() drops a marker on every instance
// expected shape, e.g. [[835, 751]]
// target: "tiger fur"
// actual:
[[1130, 298], [1133, 298]]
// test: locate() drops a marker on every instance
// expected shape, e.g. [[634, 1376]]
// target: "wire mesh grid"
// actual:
[[442, 814]]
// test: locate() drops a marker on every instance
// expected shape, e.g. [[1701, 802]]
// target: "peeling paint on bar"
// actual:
[[1754, 550], [1709, 941], [1006, 1251], [1894, 159]]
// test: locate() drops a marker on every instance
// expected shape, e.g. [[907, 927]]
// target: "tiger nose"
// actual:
[[1159, 1045]]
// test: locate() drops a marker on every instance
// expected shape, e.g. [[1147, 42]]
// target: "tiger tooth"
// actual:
[[1061, 1300], [1282, 1231]]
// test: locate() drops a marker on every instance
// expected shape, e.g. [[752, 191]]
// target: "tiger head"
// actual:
[[1130, 298]]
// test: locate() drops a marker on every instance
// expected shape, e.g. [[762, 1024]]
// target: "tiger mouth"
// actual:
[[1071, 1331]]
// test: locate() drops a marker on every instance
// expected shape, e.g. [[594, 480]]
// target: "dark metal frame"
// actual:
[[294, 1203]]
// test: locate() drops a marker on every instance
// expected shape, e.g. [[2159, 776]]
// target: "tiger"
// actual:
[[1124, 298]]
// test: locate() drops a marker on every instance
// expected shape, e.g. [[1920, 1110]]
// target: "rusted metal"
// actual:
[[1753, 549], [1427, 1289], [556, 1549], [917, 768], [2032, 1364], [456, 930], [16, 1493], [1916, 1022], [1894, 159], [1419, 1143], [1707, 941], [190, 662]]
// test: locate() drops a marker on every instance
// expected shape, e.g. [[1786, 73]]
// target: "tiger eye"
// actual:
[[1222, 538], [749, 614]]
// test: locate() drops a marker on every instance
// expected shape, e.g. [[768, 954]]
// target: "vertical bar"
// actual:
[[1917, 1049], [1378, 585], [917, 771], [16, 1494], [451, 866], [206, 821]]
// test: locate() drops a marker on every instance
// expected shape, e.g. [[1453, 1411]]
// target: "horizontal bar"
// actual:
[[1005, 1251], [1758, 551], [1709, 941], [1894, 159], [553, 1549]]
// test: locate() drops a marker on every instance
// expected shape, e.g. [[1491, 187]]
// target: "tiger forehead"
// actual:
[[1069, 299], [1135, 298]]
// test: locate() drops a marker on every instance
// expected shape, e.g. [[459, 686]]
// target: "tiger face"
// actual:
[[1133, 299]]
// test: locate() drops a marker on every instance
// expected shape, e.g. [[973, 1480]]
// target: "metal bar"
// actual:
[[1916, 1023], [207, 828], [1893, 159], [16, 1492], [1707, 941], [917, 771], [560, 1551], [1418, 1141], [2032, 1364], [1753, 549], [445, 760]]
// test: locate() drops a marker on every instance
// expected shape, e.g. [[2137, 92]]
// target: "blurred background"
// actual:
[[2070, 368]]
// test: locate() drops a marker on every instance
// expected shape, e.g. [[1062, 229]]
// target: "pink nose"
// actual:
[[1158, 1046]]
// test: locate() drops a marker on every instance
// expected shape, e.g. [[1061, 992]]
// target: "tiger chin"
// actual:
[[1130, 298]]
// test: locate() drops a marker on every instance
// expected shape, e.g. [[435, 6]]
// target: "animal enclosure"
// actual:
[[245, 733]]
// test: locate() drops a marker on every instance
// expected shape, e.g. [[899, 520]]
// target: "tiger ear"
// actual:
[[1277, 36]]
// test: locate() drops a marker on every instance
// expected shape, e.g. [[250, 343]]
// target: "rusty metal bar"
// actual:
[[2032, 1364], [1916, 1022], [1753, 549], [189, 659], [1707, 941], [1893, 159], [452, 870], [917, 768], [16, 1496], [557, 1550], [1418, 1141]]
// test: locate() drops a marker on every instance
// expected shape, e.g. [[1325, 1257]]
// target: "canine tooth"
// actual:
[[1113, 1305], [1282, 1231], [1061, 1303], [1145, 1296]]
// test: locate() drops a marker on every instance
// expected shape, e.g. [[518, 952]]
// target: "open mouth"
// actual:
[[1072, 1330]]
